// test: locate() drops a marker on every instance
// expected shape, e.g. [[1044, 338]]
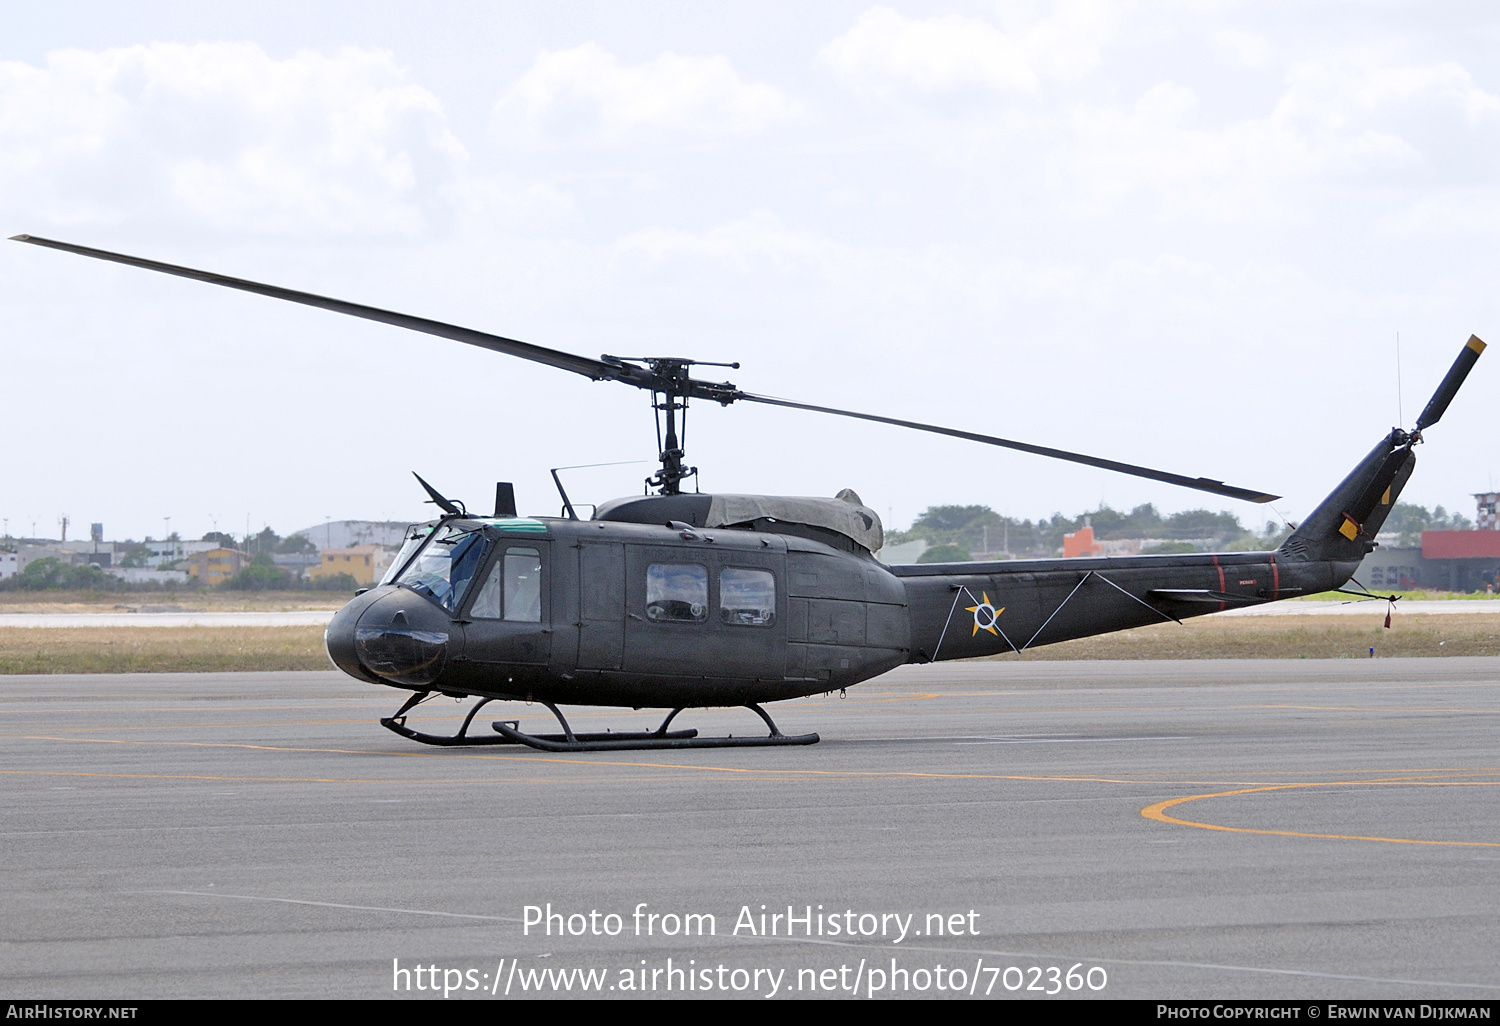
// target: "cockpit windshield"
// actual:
[[446, 566], [415, 536]]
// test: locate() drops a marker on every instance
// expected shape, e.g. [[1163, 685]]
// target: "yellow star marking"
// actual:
[[988, 612]]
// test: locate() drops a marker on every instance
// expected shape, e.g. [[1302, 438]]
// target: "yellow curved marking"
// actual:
[[1158, 812]]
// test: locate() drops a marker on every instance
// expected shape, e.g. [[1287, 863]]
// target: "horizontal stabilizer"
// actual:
[[1200, 595]]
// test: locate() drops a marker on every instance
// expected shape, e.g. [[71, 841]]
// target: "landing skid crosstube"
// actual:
[[509, 733]]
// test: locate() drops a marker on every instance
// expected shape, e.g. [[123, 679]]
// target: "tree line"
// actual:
[[53, 574], [958, 533]]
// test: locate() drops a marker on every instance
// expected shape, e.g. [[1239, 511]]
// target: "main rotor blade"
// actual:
[[1202, 484], [1438, 404], [525, 350]]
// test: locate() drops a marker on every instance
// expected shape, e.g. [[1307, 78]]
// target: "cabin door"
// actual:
[[509, 619]]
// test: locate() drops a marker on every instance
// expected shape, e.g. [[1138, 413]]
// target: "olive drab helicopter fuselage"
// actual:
[[675, 600]]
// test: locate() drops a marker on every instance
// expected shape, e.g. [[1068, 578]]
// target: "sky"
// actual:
[[1184, 235]]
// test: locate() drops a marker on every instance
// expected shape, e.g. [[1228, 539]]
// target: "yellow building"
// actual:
[[364, 563], [217, 565]]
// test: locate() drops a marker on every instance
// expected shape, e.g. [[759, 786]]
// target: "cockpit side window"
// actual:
[[513, 588], [677, 592], [523, 585]]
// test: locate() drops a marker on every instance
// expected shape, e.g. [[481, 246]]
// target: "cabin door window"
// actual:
[[747, 598], [513, 589], [677, 592]]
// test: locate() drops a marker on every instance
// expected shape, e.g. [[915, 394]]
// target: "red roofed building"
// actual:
[[1464, 561], [1081, 543], [1461, 544], [1461, 560]]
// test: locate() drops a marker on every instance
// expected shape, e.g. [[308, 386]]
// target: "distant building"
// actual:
[[365, 563], [146, 575], [143, 575], [216, 565], [298, 564], [1081, 543], [10, 565], [1395, 569], [1135, 546], [1464, 561], [903, 554], [90, 551], [1488, 518], [165, 553], [343, 534], [27, 554]]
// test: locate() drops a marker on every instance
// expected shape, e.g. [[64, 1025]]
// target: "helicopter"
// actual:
[[678, 600]]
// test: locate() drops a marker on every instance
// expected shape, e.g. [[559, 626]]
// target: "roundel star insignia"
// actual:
[[985, 616]]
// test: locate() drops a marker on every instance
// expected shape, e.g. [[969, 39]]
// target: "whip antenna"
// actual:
[[1400, 414]]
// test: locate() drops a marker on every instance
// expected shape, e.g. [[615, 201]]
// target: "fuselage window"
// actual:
[[747, 597], [514, 584], [677, 591]]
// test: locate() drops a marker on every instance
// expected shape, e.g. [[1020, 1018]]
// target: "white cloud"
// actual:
[[762, 236], [222, 134], [1340, 89], [1462, 211], [585, 94], [1346, 114], [886, 49], [1244, 48], [763, 247]]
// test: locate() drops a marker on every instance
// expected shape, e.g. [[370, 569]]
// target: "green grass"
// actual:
[[1414, 596], [192, 600], [1290, 637]]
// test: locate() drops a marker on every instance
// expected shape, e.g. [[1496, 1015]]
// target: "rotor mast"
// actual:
[[670, 449], [671, 384]]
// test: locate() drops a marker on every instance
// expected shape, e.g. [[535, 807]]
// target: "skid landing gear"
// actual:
[[509, 733]]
